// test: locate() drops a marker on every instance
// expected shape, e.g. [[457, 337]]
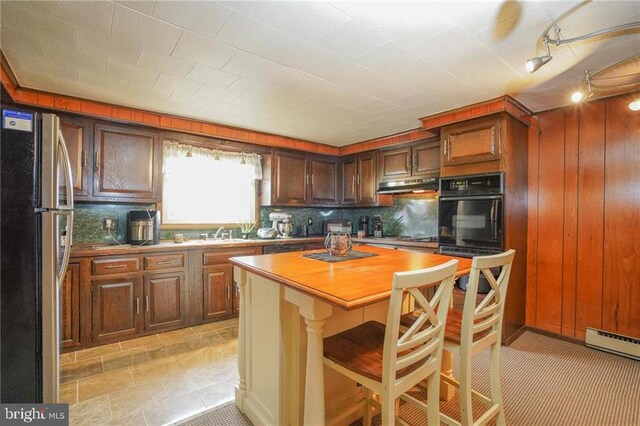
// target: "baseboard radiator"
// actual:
[[614, 343]]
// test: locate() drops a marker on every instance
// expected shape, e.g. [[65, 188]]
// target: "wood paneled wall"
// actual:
[[584, 219]]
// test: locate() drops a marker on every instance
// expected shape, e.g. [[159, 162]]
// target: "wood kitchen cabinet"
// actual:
[[217, 300], [78, 134], [116, 307], [323, 181], [70, 307], [416, 160], [164, 301], [473, 141], [359, 181], [303, 180], [127, 164]]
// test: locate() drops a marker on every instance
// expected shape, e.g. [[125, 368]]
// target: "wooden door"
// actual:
[[395, 164], [349, 171], [127, 163], [70, 307], [323, 182], [367, 182], [116, 308], [164, 301], [289, 178], [216, 290], [77, 138], [426, 159], [471, 142]]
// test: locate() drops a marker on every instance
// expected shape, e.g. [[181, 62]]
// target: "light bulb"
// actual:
[[635, 105], [576, 97], [534, 64]]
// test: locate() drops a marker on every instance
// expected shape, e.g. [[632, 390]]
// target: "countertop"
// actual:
[[349, 284], [80, 250]]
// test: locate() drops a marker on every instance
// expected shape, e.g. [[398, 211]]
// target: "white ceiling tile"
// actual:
[[61, 55], [477, 16], [406, 23], [164, 64], [205, 18], [447, 45], [351, 39], [94, 15], [218, 94], [186, 98], [196, 48], [144, 6], [210, 76], [24, 46], [170, 82], [32, 79], [102, 81], [18, 17], [94, 43], [131, 73], [75, 88], [142, 30], [512, 32], [144, 91], [305, 19]]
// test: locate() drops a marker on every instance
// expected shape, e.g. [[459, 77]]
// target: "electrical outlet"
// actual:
[[109, 224]]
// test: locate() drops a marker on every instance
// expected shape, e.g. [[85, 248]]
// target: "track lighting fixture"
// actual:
[[534, 64], [579, 95], [635, 105]]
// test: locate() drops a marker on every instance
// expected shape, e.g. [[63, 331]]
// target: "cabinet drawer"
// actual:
[[115, 266], [164, 261], [222, 256]]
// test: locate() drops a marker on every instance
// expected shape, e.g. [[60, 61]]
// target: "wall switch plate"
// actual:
[[109, 224]]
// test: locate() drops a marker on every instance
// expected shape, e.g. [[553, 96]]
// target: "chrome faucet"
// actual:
[[215, 236]]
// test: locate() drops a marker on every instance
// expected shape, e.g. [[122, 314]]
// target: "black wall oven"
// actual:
[[470, 214]]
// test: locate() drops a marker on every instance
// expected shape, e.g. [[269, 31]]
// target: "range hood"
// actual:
[[408, 186]]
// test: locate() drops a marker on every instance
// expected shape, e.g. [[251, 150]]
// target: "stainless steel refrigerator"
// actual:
[[36, 224]]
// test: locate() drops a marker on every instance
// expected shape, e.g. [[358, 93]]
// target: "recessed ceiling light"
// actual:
[[635, 105]]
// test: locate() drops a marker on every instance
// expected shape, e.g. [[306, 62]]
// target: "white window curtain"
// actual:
[[208, 186]]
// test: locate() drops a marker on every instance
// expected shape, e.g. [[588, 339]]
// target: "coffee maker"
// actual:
[[364, 224], [144, 227], [377, 226]]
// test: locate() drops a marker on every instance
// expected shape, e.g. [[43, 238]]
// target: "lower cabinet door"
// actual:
[[216, 290], [70, 307], [116, 308], [164, 301]]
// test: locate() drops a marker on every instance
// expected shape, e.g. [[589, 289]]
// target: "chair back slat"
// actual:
[[488, 313], [417, 345]]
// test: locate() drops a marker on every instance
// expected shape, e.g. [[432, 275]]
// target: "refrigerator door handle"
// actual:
[[67, 174], [67, 245]]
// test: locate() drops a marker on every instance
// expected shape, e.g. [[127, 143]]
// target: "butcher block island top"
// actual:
[[350, 284]]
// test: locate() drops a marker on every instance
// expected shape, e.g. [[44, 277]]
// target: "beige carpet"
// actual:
[[545, 381]]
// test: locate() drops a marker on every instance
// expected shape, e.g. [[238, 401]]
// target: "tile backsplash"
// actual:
[[414, 215]]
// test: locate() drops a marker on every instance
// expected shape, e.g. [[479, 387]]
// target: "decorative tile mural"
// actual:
[[410, 215]]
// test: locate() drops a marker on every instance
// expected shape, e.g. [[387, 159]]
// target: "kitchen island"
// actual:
[[288, 304]]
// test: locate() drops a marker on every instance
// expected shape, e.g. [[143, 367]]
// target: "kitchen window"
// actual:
[[204, 186]]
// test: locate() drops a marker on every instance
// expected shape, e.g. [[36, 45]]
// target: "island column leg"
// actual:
[[315, 314], [240, 277]]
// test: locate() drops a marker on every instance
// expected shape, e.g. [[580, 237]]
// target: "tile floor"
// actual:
[[152, 380]]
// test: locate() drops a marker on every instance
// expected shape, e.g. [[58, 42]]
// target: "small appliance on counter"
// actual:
[[377, 226], [364, 224], [267, 233], [337, 225], [306, 230], [281, 222], [144, 227]]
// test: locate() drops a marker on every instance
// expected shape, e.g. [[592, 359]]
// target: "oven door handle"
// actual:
[[472, 197]]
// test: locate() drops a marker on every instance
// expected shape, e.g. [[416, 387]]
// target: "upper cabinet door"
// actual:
[[77, 137], [323, 182], [366, 180], [289, 178], [349, 185], [395, 164], [471, 142], [127, 163], [426, 159]]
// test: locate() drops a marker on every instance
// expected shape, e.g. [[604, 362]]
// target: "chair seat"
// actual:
[[360, 349], [452, 330]]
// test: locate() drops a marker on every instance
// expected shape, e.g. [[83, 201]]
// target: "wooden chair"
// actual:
[[389, 362], [477, 328]]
